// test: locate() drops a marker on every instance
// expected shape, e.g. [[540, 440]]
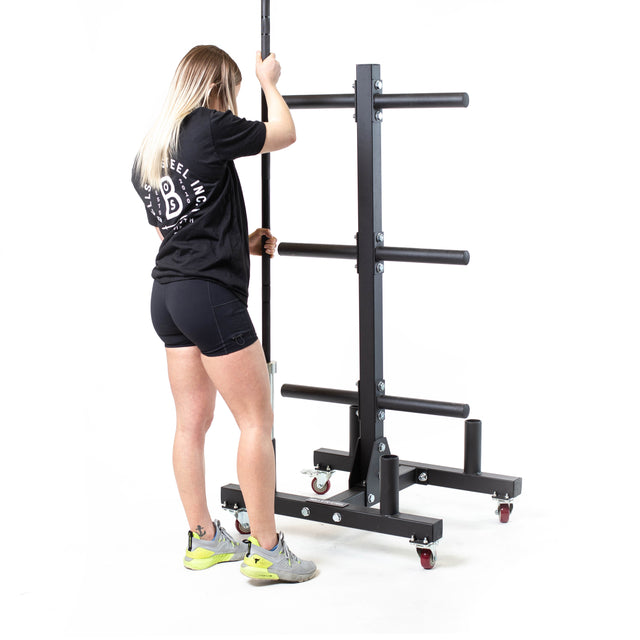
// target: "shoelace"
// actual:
[[225, 534], [288, 554]]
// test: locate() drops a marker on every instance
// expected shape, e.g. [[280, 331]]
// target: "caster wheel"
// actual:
[[323, 490], [241, 528], [504, 512], [427, 558]]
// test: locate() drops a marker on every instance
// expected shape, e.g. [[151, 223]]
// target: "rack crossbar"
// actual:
[[395, 403], [380, 101], [392, 254]]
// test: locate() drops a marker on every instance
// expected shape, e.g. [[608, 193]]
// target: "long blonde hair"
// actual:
[[205, 72]]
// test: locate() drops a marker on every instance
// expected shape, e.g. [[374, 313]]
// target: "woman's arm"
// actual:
[[281, 131]]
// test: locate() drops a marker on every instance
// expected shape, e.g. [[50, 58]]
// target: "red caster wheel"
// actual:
[[504, 511], [427, 558], [242, 529], [323, 490]]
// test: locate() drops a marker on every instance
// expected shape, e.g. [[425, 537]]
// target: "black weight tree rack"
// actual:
[[375, 475]]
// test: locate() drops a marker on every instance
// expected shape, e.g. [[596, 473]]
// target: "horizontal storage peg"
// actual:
[[414, 405], [411, 405], [393, 254], [420, 100], [327, 101], [380, 101], [317, 250], [319, 393], [433, 256]]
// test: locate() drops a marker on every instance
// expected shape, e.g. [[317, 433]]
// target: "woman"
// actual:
[[185, 175]]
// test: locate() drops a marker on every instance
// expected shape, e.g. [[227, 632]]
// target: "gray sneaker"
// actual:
[[280, 564], [202, 554]]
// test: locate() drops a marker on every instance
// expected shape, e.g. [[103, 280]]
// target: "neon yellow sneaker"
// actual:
[[280, 564], [202, 554]]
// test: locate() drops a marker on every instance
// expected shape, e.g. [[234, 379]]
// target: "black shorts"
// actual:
[[201, 313]]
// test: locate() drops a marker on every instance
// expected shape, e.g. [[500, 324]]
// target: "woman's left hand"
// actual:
[[255, 242]]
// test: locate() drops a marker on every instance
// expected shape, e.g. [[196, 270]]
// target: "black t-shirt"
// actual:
[[200, 209]]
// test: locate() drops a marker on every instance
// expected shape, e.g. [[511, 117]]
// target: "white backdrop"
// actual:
[[537, 178]]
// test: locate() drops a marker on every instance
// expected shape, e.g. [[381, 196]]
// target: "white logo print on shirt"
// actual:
[[172, 200], [178, 197]]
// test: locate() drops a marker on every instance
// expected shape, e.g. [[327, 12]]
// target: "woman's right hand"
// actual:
[[267, 70]]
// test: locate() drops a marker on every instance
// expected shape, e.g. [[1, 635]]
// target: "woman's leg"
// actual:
[[194, 394], [243, 381]]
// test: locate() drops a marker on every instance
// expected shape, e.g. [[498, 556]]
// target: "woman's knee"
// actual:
[[195, 423], [257, 423]]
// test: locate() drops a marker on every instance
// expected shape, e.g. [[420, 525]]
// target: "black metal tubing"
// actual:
[[368, 129], [266, 196], [330, 101], [345, 514], [431, 407], [433, 256], [300, 249], [395, 403], [319, 393], [438, 476], [457, 479], [389, 485], [472, 446], [380, 101], [392, 254], [420, 100]]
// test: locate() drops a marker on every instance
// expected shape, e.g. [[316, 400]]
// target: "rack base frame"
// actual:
[[350, 509]]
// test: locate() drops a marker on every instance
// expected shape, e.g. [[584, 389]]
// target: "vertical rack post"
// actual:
[[371, 384]]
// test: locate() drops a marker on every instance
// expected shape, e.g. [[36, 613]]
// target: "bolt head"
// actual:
[[306, 512], [422, 477], [379, 116], [371, 498], [381, 414], [379, 267], [381, 386], [382, 447], [378, 84], [336, 517], [379, 237]]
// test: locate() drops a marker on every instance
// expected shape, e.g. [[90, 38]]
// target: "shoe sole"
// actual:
[[258, 573], [197, 564]]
